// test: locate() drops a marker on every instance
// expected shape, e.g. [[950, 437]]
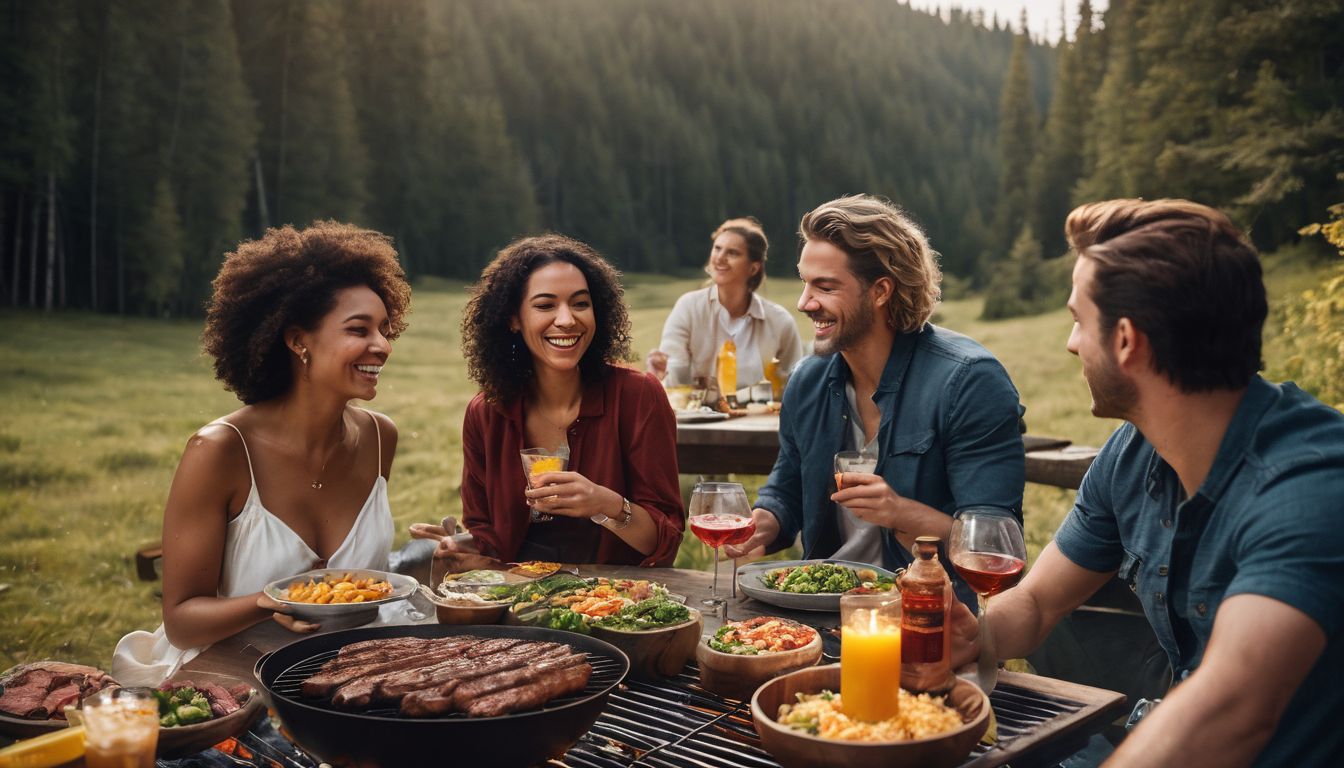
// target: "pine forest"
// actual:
[[141, 139]]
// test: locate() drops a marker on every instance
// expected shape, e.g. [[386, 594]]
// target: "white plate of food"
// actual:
[[809, 585], [340, 598], [704, 415]]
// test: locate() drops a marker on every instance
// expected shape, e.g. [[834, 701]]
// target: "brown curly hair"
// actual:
[[290, 277], [497, 359]]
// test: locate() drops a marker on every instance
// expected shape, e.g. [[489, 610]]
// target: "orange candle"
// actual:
[[870, 658]]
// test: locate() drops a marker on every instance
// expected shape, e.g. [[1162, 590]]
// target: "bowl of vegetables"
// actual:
[[200, 709], [742, 655], [652, 627]]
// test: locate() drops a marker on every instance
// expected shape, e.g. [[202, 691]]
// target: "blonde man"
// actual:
[[935, 407]]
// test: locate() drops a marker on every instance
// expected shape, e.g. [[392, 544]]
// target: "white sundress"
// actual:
[[260, 548]]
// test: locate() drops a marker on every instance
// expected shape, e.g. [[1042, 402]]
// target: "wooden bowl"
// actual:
[[737, 676], [797, 749], [657, 653], [455, 612]]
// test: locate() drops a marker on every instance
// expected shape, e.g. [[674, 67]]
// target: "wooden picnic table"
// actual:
[[1085, 710], [749, 444]]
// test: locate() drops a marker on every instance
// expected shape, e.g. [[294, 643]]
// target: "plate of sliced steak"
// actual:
[[33, 696]]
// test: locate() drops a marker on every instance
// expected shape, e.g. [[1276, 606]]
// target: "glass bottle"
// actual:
[[727, 371], [926, 598]]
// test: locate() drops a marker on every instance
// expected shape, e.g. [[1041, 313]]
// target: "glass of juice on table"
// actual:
[[720, 514], [121, 728], [537, 461], [987, 550], [870, 655]]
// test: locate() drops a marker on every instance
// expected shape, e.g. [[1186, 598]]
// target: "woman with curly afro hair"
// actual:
[[301, 323], [542, 334]]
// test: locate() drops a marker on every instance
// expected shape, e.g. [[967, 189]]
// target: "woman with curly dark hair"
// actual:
[[542, 333], [300, 324]]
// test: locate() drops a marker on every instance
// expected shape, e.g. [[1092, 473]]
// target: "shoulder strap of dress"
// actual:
[[378, 434], [246, 452]]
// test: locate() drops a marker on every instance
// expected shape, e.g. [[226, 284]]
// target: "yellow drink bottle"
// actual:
[[727, 370]]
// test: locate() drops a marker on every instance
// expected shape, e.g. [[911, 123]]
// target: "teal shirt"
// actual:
[[950, 437], [1268, 520]]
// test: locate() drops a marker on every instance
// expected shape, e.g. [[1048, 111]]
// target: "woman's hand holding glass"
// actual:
[[570, 494]]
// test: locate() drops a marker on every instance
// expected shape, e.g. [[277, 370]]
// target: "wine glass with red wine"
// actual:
[[720, 514], [987, 549]]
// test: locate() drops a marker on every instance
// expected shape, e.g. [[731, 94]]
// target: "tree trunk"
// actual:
[[17, 251], [60, 270], [93, 180], [121, 262], [284, 100], [263, 216], [3, 254], [48, 293], [32, 249]]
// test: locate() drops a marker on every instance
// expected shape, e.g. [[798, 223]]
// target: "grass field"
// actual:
[[94, 411]]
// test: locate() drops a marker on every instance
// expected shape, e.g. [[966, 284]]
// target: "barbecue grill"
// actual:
[[383, 737]]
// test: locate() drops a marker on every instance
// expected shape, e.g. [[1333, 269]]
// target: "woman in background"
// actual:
[[301, 323], [729, 308], [542, 333]]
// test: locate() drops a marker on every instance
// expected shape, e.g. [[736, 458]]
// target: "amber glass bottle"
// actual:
[[926, 611]]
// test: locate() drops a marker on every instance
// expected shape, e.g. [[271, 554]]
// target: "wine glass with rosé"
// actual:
[[720, 514], [987, 549]]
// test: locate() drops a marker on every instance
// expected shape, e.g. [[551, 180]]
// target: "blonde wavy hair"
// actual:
[[881, 241]]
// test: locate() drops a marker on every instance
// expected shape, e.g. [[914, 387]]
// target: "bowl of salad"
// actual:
[[810, 585], [651, 626], [742, 655]]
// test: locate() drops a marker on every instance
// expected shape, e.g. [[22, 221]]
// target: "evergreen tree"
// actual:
[[1017, 134], [1059, 163], [156, 254]]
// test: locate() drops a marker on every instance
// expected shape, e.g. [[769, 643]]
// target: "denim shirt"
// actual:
[[950, 437], [1268, 520]]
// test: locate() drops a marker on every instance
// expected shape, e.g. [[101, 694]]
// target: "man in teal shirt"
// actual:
[[1221, 502], [935, 408]]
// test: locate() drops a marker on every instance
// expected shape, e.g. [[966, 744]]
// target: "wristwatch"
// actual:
[[626, 516]]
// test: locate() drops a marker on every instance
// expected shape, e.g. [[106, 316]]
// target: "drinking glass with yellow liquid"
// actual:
[[538, 461], [121, 728], [726, 371], [870, 655]]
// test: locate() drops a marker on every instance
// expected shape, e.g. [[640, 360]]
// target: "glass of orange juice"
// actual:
[[870, 655], [121, 728], [537, 461]]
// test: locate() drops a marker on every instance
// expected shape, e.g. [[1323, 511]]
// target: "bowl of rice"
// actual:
[[799, 719]]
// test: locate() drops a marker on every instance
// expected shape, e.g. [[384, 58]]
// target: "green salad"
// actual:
[[823, 579], [653, 613]]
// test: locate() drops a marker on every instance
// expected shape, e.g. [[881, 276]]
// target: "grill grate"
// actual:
[[606, 671], [676, 724]]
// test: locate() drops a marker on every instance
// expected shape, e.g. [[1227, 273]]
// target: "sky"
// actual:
[[1043, 16]]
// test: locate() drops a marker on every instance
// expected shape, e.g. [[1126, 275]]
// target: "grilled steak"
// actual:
[[325, 682], [471, 690], [548, 685], [460, 673]]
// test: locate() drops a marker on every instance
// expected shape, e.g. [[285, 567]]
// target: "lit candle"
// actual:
[[870, 655]]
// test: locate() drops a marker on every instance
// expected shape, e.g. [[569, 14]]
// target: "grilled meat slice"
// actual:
[[325, 683], [471, 690], [548, 685]]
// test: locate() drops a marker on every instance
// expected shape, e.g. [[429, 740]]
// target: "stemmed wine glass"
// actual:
[[987, 549], [720, 514]]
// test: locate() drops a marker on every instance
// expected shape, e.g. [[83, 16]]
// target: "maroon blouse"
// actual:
[[625, 438]]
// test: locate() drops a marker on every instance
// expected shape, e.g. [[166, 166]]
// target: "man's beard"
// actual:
[[852, 329], [1113, 396]]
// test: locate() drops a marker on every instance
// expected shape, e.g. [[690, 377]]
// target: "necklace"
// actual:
[[331, 451], [561, 429]]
